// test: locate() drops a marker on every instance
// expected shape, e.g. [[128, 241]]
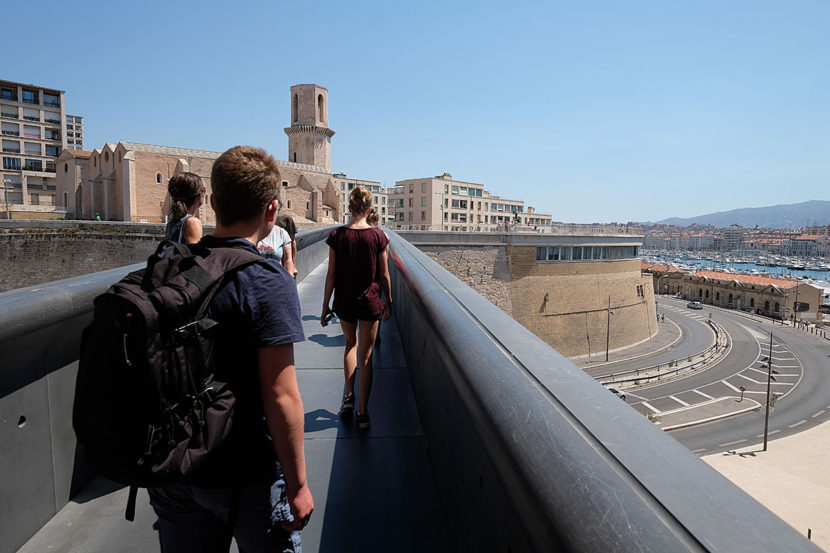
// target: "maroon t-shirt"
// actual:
[[357, 293]]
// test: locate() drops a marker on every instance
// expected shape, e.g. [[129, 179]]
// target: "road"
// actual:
[[801, 386]]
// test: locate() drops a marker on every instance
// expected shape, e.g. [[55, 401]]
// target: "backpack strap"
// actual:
[[129, 514]]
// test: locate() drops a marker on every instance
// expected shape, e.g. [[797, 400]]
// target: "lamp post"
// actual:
[[608, 329]]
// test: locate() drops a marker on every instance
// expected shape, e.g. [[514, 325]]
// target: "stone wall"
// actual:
[[563, 303], [485, 269], [31, 254]]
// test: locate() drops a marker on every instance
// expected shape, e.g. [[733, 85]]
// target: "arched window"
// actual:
[[730, 299], [700, 292], [295, 157], [717, 296], [752, 302], [289, 204], [707, 294], [295, 109], [766, 306], [65, 167], [159, 178], [307, 205], [65, 200], [320, 108], [106, 156], [776, 307]]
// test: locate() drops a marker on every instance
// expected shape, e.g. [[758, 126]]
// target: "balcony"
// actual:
[[55, 121], [30, 118], [11, 150], [9, 116], [50, 168], [33, 166], [52, 104], [11, 133]]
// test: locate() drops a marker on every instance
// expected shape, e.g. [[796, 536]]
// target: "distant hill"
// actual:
[[814, 212]]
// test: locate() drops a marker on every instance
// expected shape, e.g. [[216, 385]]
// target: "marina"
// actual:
[[817, 269]]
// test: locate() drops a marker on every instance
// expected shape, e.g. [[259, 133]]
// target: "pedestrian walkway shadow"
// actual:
[[742, 453], [320, 419], [338, 341]]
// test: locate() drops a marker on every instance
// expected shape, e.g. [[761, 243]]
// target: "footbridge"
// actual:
[[484, 438]]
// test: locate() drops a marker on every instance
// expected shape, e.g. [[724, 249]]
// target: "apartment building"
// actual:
[[345, 185], [33, 122], [441, 203], [74, 132]]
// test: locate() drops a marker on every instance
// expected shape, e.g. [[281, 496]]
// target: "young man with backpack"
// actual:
[[186, 382], [244, 489]]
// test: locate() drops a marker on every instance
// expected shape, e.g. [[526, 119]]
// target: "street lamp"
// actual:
[[608, 329]]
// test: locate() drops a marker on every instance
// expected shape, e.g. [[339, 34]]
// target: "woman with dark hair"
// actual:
[[187, 192], [357, 274]]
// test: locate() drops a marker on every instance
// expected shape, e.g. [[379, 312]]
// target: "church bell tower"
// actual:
[[309, 136]]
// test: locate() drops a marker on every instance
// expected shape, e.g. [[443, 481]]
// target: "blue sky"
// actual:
[[590, 111]]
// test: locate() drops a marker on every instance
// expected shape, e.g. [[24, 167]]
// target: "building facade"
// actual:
[[441, 203], [774, 297], [345, 185], [74, 132], [33, 123]]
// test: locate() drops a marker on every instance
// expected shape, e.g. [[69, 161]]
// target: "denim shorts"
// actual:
[[192, 518]]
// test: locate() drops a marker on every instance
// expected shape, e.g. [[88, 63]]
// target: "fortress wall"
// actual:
[[36, 252], [484, 269], [574, 319]]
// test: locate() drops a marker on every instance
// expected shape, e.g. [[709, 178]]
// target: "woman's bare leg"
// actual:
[[349, 355], [368, 331]]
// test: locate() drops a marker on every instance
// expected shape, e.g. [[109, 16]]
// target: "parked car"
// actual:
[[617, 393], [694, 305]]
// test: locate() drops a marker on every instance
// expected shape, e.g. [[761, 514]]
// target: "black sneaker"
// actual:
[[363, 422], [347, 407]]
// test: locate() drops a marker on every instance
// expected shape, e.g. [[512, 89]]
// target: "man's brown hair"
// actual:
[[244, 180]]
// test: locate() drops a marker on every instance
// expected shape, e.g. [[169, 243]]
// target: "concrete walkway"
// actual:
[[791, 479], [373, 490]]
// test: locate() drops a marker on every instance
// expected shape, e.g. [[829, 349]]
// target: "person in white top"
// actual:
[[277, 245]]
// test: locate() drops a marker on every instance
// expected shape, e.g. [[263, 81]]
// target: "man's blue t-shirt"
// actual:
[[257, 307]]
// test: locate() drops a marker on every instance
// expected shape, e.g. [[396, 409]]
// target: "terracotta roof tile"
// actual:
[[750, 279]]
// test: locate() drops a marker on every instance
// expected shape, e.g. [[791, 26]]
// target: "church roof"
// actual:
[[205, 154]]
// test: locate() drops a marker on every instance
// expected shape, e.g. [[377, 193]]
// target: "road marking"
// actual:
[[650, 407], [732, 443], [768, 433], [731, 386], [774, 383], [758, 370], [707, 396], [774, 366], [820, 413], [680, 401], [799, 423], [696, 451]]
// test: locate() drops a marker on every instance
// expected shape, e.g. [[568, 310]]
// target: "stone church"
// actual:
[[126, 181]]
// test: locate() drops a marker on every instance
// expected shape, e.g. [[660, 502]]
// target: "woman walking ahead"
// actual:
[[187, 192], [357, 275]]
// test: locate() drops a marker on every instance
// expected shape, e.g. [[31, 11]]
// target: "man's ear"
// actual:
[[212, 206], [271, 211]]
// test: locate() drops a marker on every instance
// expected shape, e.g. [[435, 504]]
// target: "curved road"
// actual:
[[802, 388]]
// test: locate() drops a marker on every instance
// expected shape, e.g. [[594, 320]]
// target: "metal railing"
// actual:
[[661, 371]]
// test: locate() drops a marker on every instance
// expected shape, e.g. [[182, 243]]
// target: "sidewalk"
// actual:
[[790, 478], [668, 333]]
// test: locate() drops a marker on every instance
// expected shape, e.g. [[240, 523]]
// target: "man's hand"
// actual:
[[302, 505]]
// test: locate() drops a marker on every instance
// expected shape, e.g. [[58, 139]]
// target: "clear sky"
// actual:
[[590, 111]]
